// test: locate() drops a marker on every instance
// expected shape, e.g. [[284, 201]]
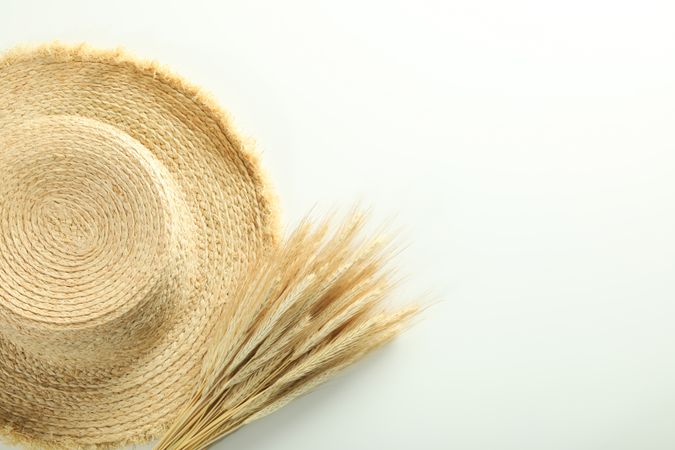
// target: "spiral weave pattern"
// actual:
[[128, 207]]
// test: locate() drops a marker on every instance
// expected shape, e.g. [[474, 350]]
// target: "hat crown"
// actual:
[[94, 240]]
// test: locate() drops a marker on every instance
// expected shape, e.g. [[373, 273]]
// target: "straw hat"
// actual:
[[128, 207]]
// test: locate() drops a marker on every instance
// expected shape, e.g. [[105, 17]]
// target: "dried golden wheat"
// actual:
[[305, 310]]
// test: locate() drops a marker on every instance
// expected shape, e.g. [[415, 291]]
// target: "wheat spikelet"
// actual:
[[309, 308]]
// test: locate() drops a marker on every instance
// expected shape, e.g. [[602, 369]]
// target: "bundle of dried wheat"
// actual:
[[305, 310]]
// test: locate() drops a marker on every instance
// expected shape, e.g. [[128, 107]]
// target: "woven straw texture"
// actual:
[[128, 208]]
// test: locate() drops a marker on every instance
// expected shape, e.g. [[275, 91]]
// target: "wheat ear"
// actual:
[[305, 310]]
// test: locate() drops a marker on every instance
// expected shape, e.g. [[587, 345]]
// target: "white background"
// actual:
[[526, 148]]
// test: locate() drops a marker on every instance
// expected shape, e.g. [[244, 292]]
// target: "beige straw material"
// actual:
[[129, 208]]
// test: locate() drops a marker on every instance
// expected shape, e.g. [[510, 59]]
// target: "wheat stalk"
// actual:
[[304, 311]]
